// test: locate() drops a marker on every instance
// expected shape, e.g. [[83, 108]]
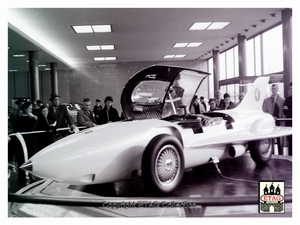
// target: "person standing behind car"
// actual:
[[26, 122], [43, 124], [108, 113], [60, 114], [227, 103], [288, 112], [274, 106], [97, 110], [85, 116]]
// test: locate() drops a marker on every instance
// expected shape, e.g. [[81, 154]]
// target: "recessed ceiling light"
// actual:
[[101, 28], [83, 29], [100, 47], [208, 25], [179, 56], [107, 47], [104, 58], [93, 47], [173, 56], [200, 26], [217, 25], [194, 44], [180, 45], [18, 55], [169, 56]]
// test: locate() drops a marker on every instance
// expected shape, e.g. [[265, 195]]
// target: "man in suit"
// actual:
[[85, 116], [60, 114], [274, 106]]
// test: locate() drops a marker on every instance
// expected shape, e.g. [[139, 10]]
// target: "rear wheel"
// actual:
[[261, 151], [163, 164]]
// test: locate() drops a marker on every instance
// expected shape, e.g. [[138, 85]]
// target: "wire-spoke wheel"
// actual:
[[167, 165], [163, 164], [261, 151]]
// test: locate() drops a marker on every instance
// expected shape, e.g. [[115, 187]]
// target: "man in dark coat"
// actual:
[[288, 112], [97, 110], [108, 113], [60, 114]]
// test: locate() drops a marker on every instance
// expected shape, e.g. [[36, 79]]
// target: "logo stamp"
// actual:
[[271, 197]]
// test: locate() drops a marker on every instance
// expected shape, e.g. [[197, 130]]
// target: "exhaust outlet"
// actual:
[[235, 150]]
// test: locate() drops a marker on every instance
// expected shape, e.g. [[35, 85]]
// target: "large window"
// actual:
[[272, 50], [264, 55]]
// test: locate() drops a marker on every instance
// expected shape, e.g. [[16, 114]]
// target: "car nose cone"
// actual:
[[28, 166]]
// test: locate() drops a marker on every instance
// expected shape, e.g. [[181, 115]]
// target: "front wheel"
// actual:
[[261, 151], [163, 164]]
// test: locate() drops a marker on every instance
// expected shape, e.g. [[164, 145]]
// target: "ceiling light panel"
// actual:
[[101, 28], [93, 47], [83, 29], [200, 25], [194, 44], [217, 25], [180, 45], [173, 56], [105, 58]]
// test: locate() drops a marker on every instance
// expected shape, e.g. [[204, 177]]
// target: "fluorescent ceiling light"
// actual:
[[100, 47], [217, 25], [41, 65], [12, 70], [92, 28], [194, 44], [180, 45], [83, 29], [200, 26], [169, 56], [104, 58], [208, 25], [179, 56], [173, 56], [188, 45], [107, 47], [18, 55], [47, 68], [101, 28], [93, 47]]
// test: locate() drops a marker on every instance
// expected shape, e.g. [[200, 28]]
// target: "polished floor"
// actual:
[[240, 177]]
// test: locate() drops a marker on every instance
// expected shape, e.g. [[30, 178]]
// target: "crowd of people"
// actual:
[[45, 124]]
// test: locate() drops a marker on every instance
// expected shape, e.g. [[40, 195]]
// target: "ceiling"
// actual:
[[138, 34]]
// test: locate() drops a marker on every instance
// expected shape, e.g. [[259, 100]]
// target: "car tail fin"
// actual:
[[255, 95]]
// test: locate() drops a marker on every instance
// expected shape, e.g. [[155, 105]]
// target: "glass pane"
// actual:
[[230, 63], [250, 57], [149, 92], [236, 61], [257, 42], [273, 50], [222, 66]]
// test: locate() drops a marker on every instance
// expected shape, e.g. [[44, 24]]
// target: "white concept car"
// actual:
[[159, 138]]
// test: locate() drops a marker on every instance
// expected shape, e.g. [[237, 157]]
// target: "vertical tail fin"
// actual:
[[255, 95]]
